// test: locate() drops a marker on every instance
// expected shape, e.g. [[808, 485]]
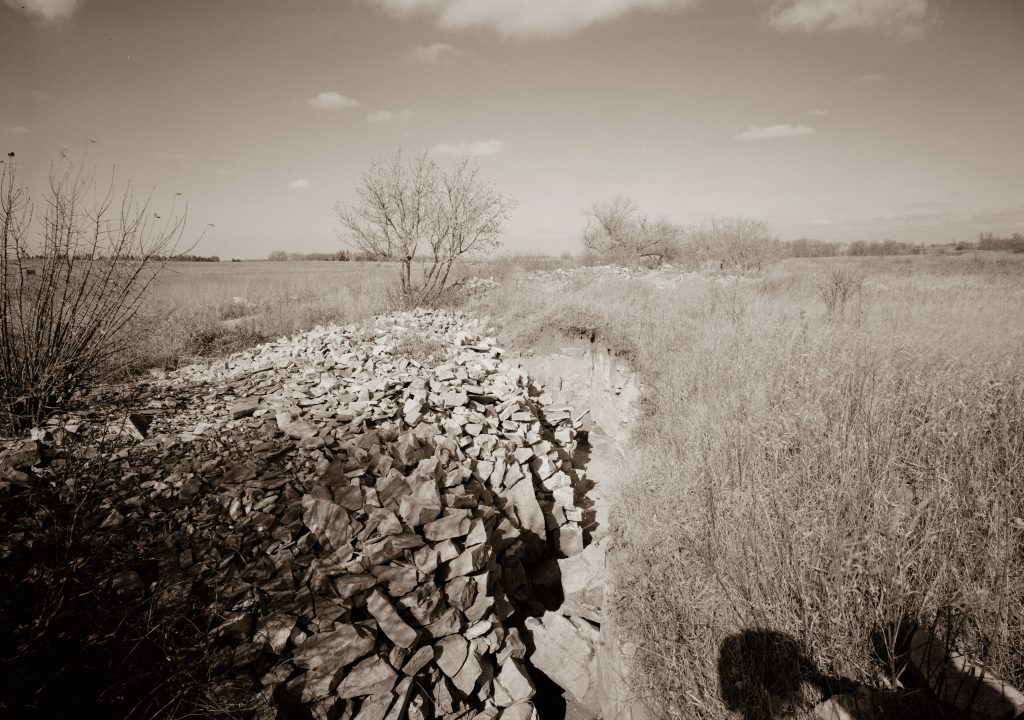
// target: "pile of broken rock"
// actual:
[[366, 522]]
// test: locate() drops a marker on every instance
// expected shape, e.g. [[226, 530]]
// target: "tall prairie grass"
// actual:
[[838, 466]]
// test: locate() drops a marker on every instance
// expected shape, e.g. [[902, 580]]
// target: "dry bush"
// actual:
[[832, 484], [838, 289], [739, 244], [73, 280], [404, 207], [617, 231]]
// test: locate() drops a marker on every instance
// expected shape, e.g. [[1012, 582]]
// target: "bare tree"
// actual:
[[405, 208], [616, 229], [738, 243], [70, 291]]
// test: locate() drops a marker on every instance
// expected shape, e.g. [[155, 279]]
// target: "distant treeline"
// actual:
[[339, 256], [147, 258], [191, 258], [1014, 243], [807, 248]]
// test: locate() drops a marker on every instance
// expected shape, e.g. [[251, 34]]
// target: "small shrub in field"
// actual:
[[616, 230], [838, 288], [71, 283], [740, 243]]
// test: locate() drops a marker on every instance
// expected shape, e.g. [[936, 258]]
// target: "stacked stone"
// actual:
[[387, 528]]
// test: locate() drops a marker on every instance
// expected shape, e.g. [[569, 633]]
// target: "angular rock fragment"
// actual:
[[244, 408], [391, 623], [513, 684], [274, 630], [372, 676], [325, 519], [450, 653], [564, 653], [456, 523], [338, 648]]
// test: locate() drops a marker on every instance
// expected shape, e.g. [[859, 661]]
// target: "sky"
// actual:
[[838, 120]]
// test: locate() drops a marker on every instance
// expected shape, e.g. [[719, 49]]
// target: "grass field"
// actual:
[[833, 450], [206, 309], [203, 309]]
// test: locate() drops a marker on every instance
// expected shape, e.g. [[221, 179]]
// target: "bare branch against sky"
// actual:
[[833, 119]]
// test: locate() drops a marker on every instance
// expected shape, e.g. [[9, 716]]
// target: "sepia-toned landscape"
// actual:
[[359, 412]]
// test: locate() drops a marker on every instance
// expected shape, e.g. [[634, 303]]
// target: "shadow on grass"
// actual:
[[765, 674]]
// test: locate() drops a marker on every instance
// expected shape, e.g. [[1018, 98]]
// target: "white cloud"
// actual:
[[771, 132], [298, 184], [330, 100], [818, 112], [386, 116], [18, 130], [905, 17], [524, 18], [45, 9], [434, 54], [475, 148]]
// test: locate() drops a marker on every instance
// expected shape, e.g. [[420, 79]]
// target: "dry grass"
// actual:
[[206, 309], [836, 477], [209, 309]]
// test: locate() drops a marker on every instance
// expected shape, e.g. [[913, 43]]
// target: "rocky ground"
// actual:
[[368, 522]]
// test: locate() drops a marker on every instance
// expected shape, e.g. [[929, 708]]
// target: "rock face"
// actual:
[[366, 521], [564, 651]]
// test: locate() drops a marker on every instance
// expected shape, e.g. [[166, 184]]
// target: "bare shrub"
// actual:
[[727, 298], [617, 230], [407, 206], [838, 288], [72, 283], [739, 243]]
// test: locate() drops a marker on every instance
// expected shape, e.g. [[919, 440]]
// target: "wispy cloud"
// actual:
[[330, 100], [298, 184], [466, 149], [17, 130], [434, 54], [387, 116], [47, 10], [904, 17], [772, 132], [524, 18], [818, 112]]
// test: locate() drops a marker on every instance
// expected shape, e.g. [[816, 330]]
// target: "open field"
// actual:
[[202, 309], [832, 451], [205, 309]]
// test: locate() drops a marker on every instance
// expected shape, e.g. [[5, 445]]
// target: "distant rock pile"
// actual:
[[590, 273], [365, 521]]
